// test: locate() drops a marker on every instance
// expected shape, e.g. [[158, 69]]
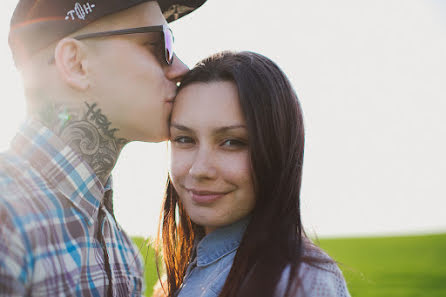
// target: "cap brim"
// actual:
[[175, 9]]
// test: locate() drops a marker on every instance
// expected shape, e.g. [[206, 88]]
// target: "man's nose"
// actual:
[[176, 70], [202, 166]]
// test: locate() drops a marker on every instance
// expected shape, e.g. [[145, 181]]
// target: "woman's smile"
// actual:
[[205, 196], [210, 165]]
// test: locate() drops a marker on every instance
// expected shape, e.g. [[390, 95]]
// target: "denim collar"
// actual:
[[220, 242]]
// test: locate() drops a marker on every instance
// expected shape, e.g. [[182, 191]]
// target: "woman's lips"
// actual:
[[199, 196]]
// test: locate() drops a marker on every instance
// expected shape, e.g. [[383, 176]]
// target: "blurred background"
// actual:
[[371, 77]]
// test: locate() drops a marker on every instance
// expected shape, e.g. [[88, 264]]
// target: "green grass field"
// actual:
[[392, 266], [380, 266], [148, 255]]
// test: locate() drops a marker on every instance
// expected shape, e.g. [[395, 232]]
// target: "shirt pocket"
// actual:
[[218, 276]]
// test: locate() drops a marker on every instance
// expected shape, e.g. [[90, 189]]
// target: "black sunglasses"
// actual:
[[167, 36]]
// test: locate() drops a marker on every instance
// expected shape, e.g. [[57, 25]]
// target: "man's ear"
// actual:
[[70, 58]]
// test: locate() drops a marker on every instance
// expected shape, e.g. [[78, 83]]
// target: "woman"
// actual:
[[237, 146]]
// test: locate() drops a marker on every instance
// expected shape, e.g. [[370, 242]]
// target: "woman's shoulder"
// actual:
[[315, 259], [319, 274]]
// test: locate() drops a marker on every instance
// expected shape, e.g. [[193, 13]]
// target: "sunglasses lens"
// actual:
[[168, 45]]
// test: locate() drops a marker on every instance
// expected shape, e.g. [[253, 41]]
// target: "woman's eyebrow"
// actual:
[[227, 128], [219, 130], [180, 127]]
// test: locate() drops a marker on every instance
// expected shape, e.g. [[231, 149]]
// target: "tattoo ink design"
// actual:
[[88, 132], [102, 122]]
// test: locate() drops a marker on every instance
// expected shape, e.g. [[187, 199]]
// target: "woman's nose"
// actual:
[[203, 166]]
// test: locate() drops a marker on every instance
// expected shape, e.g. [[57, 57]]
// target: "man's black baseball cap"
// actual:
[[36, 24]]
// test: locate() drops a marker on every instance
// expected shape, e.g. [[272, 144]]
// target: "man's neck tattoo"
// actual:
[[89, 132], [102, 123]]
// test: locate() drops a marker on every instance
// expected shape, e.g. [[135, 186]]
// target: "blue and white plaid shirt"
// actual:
[[49, 205]]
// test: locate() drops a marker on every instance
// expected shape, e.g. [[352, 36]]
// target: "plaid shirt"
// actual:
[[49, 205]]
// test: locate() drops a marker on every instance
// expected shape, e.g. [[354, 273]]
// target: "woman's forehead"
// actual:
[[214, 104]]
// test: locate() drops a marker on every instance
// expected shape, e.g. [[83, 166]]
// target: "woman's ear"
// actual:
[[70, 57]]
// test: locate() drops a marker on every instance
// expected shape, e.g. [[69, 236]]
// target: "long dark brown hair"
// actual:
[[274, 237]]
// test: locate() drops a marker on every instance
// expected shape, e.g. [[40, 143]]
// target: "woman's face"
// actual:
[[210, 164]]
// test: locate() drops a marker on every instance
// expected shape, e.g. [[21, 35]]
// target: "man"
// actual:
[[97, 74]]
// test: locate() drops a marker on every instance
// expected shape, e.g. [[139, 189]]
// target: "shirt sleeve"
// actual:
[[13, 259], [143, 285], [316, 279], [322, 280]]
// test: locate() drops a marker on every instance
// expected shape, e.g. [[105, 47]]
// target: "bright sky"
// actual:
[[371, 76]]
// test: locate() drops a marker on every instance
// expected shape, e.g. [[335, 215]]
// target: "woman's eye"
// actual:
[[235, 143], [183, 140]]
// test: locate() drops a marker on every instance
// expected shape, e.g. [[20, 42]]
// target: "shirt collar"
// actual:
[[61, 166], [220, 242]]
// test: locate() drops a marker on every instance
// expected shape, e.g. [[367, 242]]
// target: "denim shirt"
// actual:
[[207, 273], [208, 270]]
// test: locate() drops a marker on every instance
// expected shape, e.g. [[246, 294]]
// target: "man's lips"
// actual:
[[171, 98]]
